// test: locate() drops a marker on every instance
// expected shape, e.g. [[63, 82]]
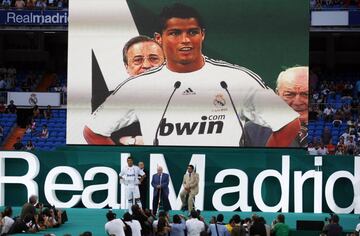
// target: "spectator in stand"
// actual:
[[113, 226], [2, 107], [60, 4], [30, 4], [50, 3], [357, 89], [2, 84], [19, 4], [6, 4], [40, 4], [322, 150], [6, 221], [328, 113], [1, 133], [340, 150], [279, 228], [134, 224], [36, 111], [11, 108], [178, 226], [29, 146], [346, 108], [350, 145], [311, 149], [18, 146], [218, 228], [333, 229], [48, 113], [194, 225], [326, 136], [337, 119], [331, 148], [44, 132]]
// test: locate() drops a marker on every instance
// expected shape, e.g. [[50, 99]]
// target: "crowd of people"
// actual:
[[341, 4], [34, 4], [143, 222], [11, 81], [334, 115], [34, 217]]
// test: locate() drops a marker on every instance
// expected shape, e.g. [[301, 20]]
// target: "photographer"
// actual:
[[333, 228]]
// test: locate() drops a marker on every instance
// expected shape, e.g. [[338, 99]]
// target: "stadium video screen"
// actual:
[[188, 73]]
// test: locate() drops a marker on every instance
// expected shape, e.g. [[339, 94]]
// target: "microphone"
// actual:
[[224, 85], [156, 140]]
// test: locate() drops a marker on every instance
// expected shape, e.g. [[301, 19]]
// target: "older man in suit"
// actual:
[[160, 183], [191, 188]]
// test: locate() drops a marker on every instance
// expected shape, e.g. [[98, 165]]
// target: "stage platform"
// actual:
[[82, 219]]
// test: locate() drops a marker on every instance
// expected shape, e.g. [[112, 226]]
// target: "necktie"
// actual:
[[303, 133]]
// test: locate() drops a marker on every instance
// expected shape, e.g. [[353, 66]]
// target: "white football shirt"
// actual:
[[200, 112]]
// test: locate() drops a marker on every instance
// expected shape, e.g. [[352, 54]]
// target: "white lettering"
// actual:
[[27, 179], [111, 186], [10, 17], [299, 180], [51, 186], [242, 189], [355, 180], [283, 178]]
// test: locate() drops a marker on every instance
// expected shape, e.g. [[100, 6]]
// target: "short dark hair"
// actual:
[[220, 218], [127, 217], [191, 166], [132, 41], [176, 219], [335, 218], [86, 233], [194, 214], [281, 218], [110, 215], [7, 211], [130, 158], [181, 11], [237, 219]]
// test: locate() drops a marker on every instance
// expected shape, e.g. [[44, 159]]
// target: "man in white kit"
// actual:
[[129, 176], [191, 99]]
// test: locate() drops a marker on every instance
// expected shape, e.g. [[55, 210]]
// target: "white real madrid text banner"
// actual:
[[32, 99]]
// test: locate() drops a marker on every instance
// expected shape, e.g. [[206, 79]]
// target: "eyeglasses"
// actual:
[[139, 60]]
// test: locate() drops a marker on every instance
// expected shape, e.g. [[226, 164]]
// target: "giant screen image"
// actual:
[[188, 73]]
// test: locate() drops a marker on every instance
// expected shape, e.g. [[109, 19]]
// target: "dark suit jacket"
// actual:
[[257, 136], [164, 183]]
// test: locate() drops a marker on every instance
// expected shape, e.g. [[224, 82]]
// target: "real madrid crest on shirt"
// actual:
[[219, 103]]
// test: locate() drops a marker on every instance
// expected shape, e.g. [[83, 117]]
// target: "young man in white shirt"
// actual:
[[130, 177], [205, 102], [114, 226]]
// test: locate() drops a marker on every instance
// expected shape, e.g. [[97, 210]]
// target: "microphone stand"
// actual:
[[223, 84], [156, 140]]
